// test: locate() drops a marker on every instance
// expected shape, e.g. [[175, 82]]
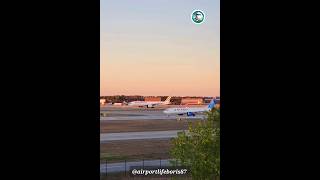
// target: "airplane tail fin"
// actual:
[[212, 104], [168, 99]]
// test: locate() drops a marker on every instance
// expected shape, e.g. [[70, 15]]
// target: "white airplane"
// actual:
[[150, 103], [190, 111]]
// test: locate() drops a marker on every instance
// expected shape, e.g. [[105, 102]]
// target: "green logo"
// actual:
[[197, 16]]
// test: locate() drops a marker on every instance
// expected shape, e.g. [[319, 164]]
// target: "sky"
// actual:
[[152, 48]]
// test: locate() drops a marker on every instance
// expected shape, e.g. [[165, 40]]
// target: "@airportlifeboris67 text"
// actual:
[[156, 171]]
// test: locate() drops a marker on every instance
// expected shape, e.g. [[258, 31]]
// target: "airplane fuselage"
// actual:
[[144, 103], [190, 111], [185, 110]]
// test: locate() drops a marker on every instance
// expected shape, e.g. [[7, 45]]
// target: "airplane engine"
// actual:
[[190, 114]]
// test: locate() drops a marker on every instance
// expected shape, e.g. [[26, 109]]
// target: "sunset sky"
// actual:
[[151, 47]]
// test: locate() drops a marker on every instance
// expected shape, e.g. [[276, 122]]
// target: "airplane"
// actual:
[[150, 104], [190, 111]]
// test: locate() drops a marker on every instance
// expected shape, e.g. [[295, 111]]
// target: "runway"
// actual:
[[125, 113], [104, 137], [121, 167]]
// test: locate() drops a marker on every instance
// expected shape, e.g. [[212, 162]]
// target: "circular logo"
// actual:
[[197, 16]]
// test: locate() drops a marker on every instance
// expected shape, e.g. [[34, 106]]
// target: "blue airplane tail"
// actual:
[[212, 104]]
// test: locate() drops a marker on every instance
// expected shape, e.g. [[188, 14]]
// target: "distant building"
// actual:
[[102, 101], [217, 100], [207, 100], [191, 101], [117, 104], [152, 98]]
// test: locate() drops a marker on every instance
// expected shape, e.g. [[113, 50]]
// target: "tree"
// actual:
[[199, 149]]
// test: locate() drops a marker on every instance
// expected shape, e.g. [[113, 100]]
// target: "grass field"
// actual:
[[118, 151]]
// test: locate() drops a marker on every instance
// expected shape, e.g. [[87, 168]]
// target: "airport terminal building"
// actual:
[[191, 101], [102, 101]]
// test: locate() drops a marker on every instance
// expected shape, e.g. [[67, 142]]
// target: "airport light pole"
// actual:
[[125, 167], [142, 163], [106, 167]]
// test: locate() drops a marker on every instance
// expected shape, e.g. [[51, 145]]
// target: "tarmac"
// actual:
[[104, 137], [134, 113], [120, 113]]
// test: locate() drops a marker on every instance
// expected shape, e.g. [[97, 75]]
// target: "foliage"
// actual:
[[199, 149]]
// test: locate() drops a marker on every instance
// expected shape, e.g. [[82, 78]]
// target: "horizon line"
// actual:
[[162, 95]]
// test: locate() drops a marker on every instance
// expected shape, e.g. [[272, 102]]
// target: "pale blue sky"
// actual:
[[151, 47]]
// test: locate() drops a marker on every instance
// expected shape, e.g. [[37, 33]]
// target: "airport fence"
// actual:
[[123, 167], [120, 170]]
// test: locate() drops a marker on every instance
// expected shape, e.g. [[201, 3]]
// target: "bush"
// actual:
[[199, 149]]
